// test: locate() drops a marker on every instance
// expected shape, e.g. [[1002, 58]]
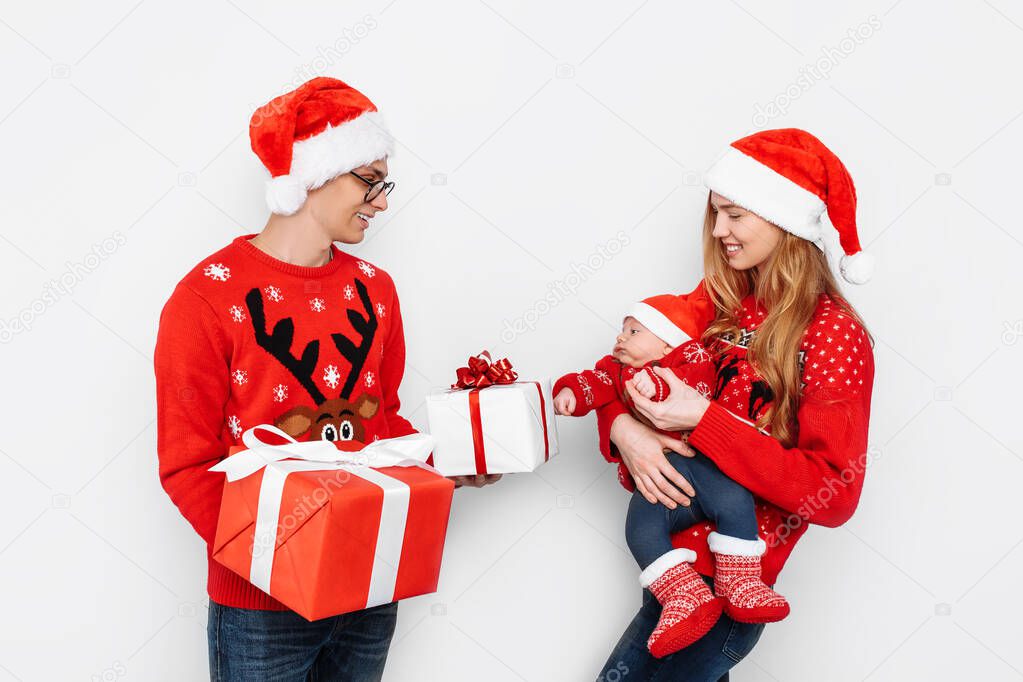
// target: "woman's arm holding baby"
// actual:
[[828, 457], [625, 439]]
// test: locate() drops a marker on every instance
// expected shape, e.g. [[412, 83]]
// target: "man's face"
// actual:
[[340, 206], [637, 346]]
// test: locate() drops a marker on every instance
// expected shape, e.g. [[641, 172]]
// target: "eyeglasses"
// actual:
[[375, 187]]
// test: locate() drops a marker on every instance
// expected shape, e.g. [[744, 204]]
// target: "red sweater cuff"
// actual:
[[661, 390], [716, 432], [568, 381]]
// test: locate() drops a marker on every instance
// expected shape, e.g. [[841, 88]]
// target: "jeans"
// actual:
[[730, 506], [705, 660], [282, 646]]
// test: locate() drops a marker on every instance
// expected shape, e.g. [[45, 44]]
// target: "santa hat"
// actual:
[[675, 319], [313, 134], [789, 178]]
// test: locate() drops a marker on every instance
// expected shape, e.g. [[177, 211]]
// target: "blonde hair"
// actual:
[[788, 287]]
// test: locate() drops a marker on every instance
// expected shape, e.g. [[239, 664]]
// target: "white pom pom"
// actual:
[[285, 195], [857, 268]]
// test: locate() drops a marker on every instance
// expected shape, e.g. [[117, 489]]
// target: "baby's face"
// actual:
[[636, 345]]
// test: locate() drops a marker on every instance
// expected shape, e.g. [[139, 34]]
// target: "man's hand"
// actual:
[[564, 402], [477, 481]]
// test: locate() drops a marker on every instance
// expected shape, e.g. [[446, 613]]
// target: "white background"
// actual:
[[530, 134]]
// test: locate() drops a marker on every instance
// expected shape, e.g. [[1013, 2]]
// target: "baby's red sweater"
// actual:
[[819, 479], [247, 339], [605, 384]]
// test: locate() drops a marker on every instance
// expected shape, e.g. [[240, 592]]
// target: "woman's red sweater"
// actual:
[[819, 479]]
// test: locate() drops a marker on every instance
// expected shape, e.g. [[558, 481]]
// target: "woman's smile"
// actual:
[[732, 249]]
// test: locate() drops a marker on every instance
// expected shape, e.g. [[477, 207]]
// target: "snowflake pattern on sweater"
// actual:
[[595, 388], [246, 339], [832, 351]]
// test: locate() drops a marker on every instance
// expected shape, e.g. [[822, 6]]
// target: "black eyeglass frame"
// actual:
[[374, 187]]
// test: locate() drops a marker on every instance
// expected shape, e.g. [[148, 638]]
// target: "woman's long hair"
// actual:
[[788, 287]]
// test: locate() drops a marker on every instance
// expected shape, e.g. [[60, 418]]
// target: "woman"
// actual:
[[788, 416]]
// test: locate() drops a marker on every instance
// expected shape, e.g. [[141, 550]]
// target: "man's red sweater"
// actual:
[[819, 479], [247, 339]]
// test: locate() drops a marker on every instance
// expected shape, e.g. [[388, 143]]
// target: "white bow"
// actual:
[[410, 450]]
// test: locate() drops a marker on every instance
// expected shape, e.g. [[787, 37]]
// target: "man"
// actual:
[[284, 328]]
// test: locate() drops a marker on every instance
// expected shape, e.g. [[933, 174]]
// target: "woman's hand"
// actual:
[[477, 481], [680, 411], [642, 451]]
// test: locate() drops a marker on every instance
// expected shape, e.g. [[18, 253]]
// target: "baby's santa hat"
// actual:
[[675, 319], [790, 178], [313, 134]]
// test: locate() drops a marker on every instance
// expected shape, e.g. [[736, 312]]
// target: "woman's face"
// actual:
[[746, 239]]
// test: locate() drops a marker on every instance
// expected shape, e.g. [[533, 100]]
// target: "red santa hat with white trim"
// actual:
[[789, 178], [675, 319], [313, 134]]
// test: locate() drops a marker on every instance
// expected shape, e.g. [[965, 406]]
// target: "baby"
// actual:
[[664, 331]]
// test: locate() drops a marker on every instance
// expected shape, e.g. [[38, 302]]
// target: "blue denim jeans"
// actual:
[[705, 660], [648, 527], [281, 646]]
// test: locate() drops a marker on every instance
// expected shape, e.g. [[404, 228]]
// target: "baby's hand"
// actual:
[[564, 402], [644, 385]]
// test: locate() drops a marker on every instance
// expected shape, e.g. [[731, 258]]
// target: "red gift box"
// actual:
[[324, 533]]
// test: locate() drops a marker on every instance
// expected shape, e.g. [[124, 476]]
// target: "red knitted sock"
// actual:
[[689, 609], [737, 580]]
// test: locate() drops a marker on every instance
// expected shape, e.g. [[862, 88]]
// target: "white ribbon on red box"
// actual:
[[278, 461]]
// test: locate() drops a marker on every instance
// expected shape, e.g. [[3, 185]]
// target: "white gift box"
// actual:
[[500, 429]]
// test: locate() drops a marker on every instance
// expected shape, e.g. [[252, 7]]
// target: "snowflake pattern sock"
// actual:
[[737, 580], [688, 608]]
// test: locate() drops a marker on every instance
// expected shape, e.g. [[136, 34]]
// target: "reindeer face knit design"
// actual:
[[247, 339], [737, 580], [688, 610]]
